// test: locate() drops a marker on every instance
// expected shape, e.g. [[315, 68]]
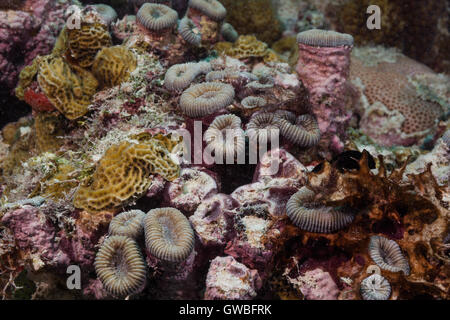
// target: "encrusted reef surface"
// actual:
[[180, 154]]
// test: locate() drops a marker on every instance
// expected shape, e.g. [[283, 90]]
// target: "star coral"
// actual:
[[393, 112], [124, 172]]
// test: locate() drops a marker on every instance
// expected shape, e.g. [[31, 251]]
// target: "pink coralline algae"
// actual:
[[324, 70], [32, 31], [276, 178], [213, 220], [35, 235], [316, 285], [228, 279], [188, 191]]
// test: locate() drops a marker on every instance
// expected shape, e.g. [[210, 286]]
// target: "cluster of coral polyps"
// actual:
[[107, 172]]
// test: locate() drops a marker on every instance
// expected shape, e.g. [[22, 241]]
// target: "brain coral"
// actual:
[[189, 31], [69, 88], [206, 98], [168, 234], [312, 217], [375, 287], [129, 224], [120, 266], [156, 16], [389, 92], [124, 172], [113, 65], [84, 42], [211, 8]]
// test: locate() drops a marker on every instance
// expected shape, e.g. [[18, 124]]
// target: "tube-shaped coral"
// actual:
[[156, 17], [180, 76], [323, 67], [168, 234], [206, 98], [312, 217], [388, 255], [225, 136], [304, 132], [129, 224], [375, 287], [189, 32], [211, 8], [120, 266]]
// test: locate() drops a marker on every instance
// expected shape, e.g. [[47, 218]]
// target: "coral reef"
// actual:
[[190, 152]]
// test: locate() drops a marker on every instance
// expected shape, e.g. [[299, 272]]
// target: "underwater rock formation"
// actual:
[[125, 166], [231, 280]]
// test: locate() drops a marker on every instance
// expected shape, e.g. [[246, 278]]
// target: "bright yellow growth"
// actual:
[[113, 65], [49, 129], [124, 172], [69, 88], [244, 47], [85, 42]]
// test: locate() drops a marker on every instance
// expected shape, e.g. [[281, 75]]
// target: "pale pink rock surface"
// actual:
[[316, 285], [213, 220], [190, 189], [324, 72], [36, 235], [228, 279], [271, 186]]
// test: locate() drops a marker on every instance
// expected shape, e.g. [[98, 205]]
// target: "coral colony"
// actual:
[[210, 149]]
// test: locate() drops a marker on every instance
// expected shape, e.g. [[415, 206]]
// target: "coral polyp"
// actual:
[[314, 217], [120, 266], [388, 255], [168, 234], [206, 98], [375, 287], [129, 224], [304, 132], [156, 16]]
